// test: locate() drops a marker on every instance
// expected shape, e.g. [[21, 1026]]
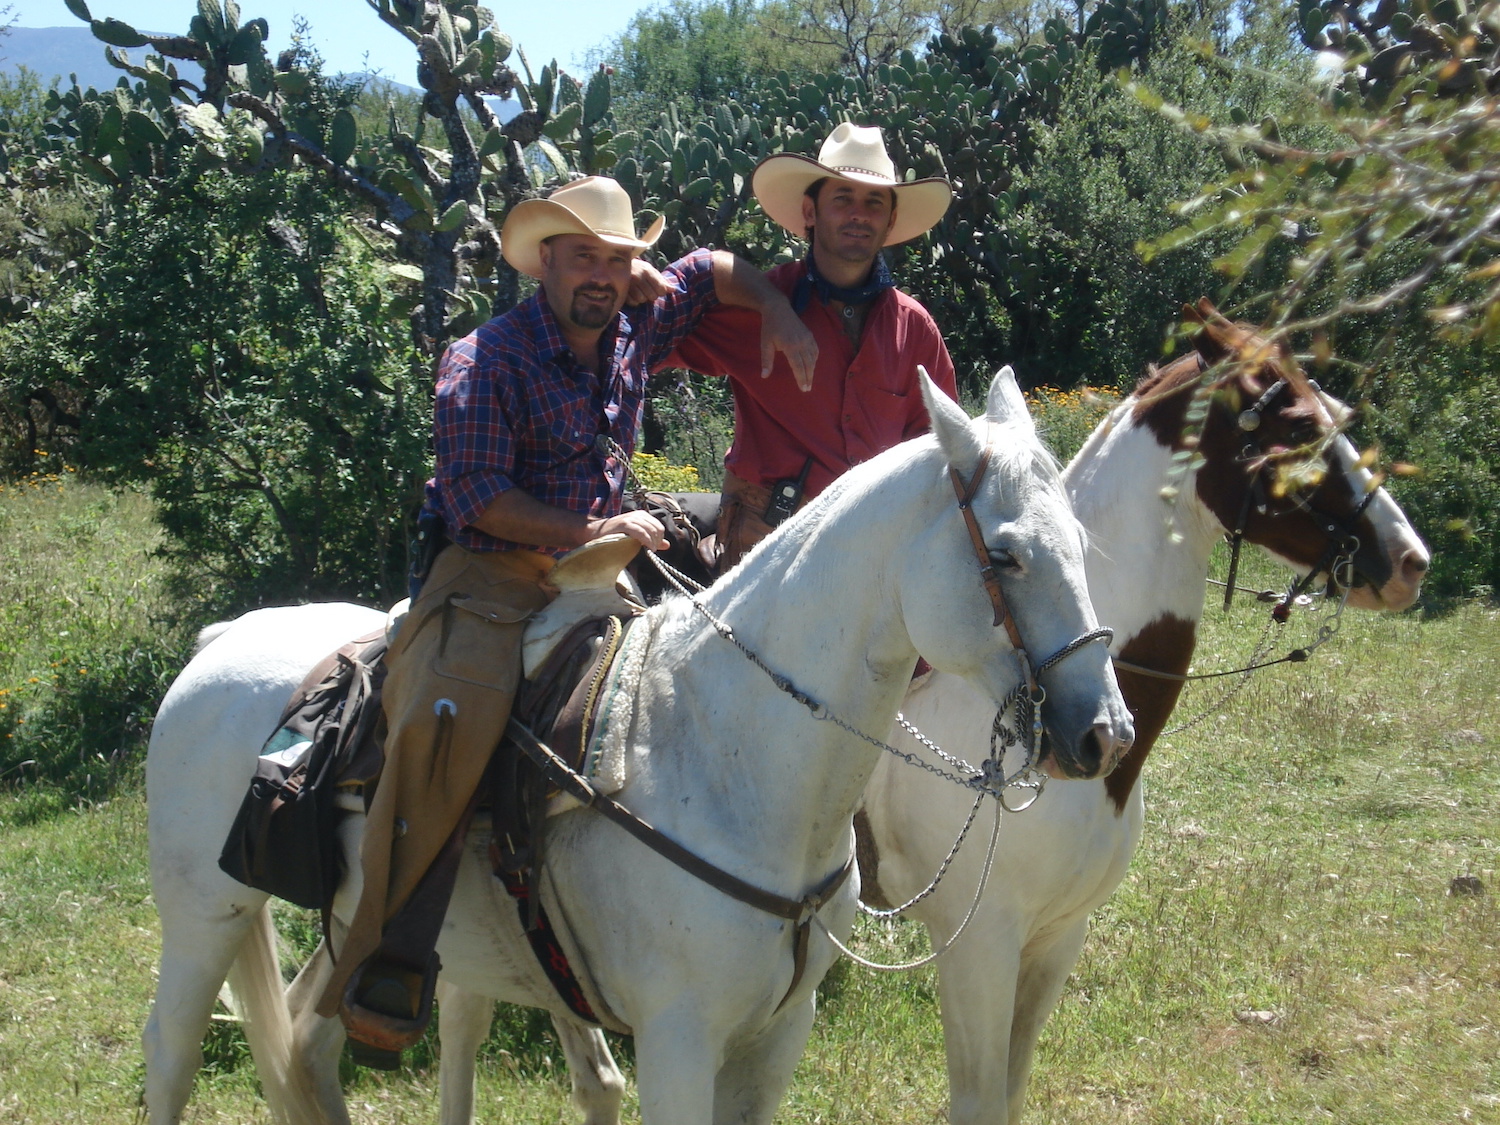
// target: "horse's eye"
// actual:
[[1002, 559], [1304, 434]]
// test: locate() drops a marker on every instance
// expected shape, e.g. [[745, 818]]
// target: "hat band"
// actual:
[[862, 171]]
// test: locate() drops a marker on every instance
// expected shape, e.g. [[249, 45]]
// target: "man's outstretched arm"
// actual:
[[737, 282]]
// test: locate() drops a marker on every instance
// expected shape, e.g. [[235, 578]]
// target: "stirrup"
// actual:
[[387, 1006]]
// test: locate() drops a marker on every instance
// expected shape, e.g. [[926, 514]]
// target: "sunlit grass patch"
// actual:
[[86, 641]]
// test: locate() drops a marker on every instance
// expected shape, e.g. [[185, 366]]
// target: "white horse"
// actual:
[[839, 601], [1003, 978]]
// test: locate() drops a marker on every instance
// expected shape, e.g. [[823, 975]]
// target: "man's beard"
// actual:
[[589, 314]]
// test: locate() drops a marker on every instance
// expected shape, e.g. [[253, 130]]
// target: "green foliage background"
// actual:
[[232, 296], [230, 350]]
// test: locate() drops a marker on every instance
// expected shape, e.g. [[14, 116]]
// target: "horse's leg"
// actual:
[[317, 1043], [196, 954], [755, 1076], [675, 1062], [463, 1022], [598, 1085], [1044, 975], [976, 992]]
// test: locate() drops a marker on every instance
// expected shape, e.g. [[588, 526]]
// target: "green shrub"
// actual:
[[1065, 419], [1439, 417], [233, 348]]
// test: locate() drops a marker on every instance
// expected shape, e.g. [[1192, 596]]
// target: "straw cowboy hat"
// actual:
[[857, 154], [594, 205]]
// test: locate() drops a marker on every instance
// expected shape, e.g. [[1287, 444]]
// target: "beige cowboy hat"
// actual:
[[855, 153], [594, 205]]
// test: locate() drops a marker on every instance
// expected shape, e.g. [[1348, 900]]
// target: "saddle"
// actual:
[[326, 756]]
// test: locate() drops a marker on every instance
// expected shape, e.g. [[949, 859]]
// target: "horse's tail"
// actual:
[[260, 997], [209, 634]]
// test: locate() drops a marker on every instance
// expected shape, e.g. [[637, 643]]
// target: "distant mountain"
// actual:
[[53, 53]]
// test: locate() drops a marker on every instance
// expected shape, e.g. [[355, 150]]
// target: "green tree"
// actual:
[[696, 52], [1390, 189], [269, 276], [1361, 223], [432, 198], [233, 352]]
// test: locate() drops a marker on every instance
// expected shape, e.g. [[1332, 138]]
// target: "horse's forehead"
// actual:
[[1029, 497]]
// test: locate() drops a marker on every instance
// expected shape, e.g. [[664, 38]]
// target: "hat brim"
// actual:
[[781, 181], [532, 221]]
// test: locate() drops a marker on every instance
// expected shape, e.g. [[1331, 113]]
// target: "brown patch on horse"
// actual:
[[1162, 397], [867, 855], [1164, 645], [1249, 364], [1291, 424]]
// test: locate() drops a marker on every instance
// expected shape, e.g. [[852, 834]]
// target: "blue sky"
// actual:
[[346, 31]]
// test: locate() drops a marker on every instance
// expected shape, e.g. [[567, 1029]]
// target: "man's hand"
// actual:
[[782, 330], [646, 284], [737, 282], [643, 527]]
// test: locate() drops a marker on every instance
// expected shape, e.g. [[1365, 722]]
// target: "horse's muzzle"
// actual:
[[1096, 751]]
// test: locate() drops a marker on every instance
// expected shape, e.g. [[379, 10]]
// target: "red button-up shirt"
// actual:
[[861, 403]]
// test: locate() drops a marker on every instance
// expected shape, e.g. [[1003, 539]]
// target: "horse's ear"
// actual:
[[951, 426], [1216, 339], [1006, 403]]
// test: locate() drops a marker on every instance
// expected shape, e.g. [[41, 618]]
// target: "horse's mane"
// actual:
[[1159, 382], [1240, 356]]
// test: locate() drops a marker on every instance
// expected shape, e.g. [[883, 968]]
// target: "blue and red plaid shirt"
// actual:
[[515, 409]]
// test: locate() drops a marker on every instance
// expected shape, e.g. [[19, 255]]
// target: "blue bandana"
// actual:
[[811, 279]]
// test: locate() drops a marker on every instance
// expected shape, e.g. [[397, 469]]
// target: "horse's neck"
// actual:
[[1147, 564], [820, 605], [778, 782], [1146, 559]]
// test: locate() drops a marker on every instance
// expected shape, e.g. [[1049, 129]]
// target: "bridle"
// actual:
[[1337, 560], [1029, 695], [989, 779]]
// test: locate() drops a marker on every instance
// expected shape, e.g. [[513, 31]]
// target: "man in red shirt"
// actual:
[[793, 438]]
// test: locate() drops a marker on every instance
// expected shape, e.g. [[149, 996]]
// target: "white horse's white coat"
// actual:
[[840, 601], [1063, 858]]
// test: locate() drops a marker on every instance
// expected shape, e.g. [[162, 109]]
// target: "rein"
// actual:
[[987, 780]]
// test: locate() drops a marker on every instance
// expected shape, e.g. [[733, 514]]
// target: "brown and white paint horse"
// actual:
[[1146, 575]]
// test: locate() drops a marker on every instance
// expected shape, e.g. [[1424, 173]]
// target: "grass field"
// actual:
[[1290, 946]]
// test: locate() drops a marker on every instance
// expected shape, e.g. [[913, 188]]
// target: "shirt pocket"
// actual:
[[569, 434]]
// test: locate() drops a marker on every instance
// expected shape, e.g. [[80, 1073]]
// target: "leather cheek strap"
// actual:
[[987, 573]]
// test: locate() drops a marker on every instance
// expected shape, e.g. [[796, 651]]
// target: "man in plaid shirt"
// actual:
[[523, 475]]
